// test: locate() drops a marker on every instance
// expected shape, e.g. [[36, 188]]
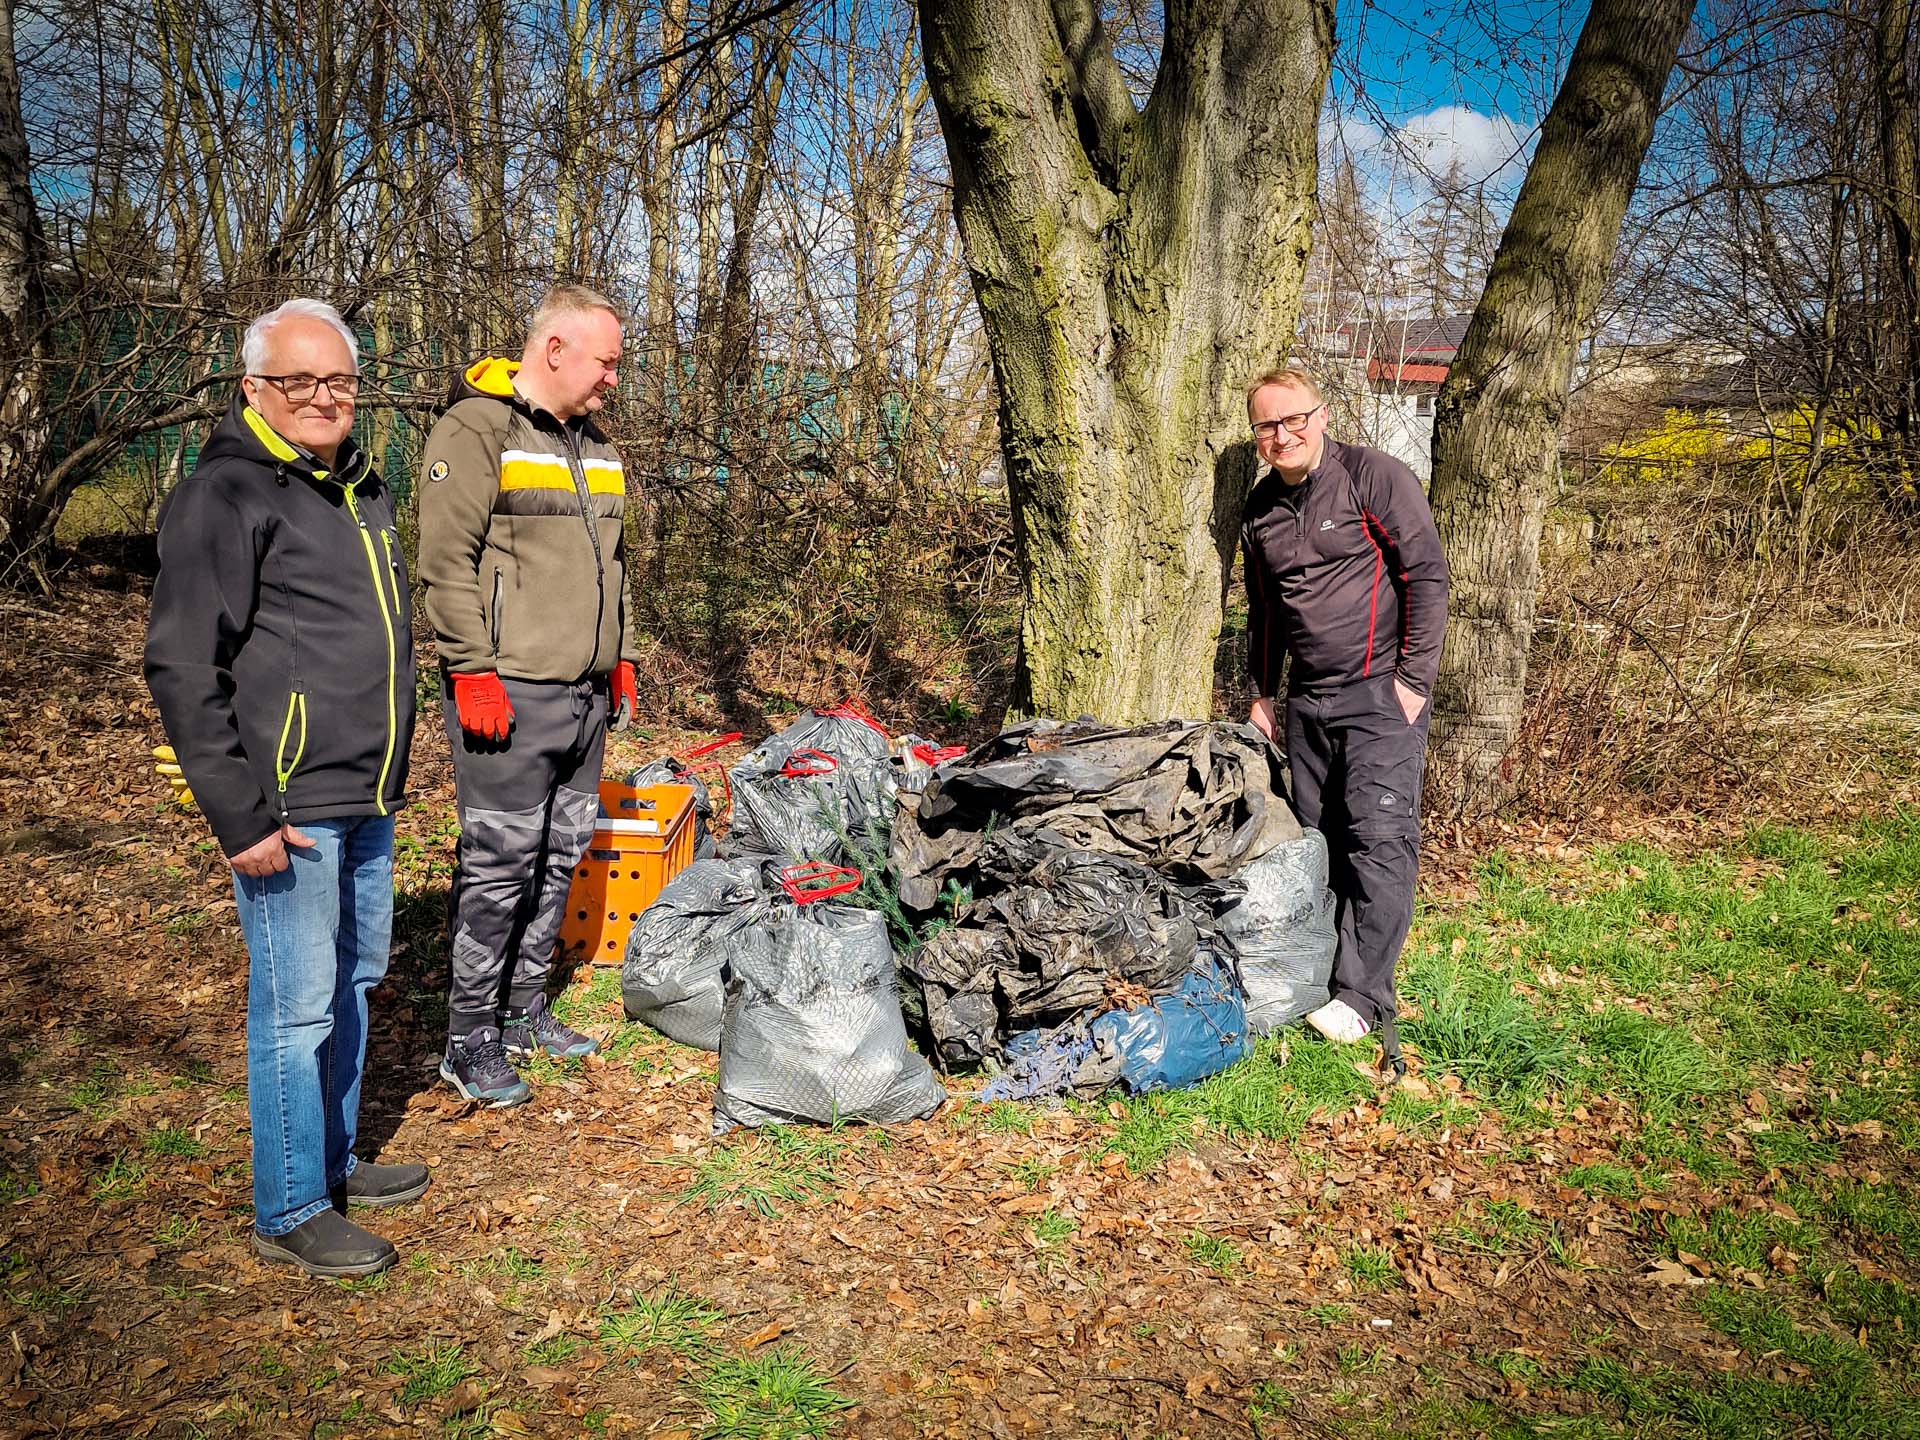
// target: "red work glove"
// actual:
[[624, 690], [482, 705]]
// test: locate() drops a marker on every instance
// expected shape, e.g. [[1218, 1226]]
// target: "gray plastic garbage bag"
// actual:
[[812, 1028], [1277, 916], [824, 776], [672, 976], [670, 770]]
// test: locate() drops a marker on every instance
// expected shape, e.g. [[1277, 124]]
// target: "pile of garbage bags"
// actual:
[[1078, 905], [1065, 863]]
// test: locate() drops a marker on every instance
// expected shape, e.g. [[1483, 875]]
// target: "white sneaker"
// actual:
[[1339, 1022]]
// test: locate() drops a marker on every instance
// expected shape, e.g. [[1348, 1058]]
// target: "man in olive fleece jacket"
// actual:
[[1346, 579], [521, 505]]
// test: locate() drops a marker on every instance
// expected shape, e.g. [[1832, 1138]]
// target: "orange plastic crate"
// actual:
[[644, 839]]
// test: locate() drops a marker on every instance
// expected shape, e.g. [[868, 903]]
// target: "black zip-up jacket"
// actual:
[[1344, 573], [279, 648]]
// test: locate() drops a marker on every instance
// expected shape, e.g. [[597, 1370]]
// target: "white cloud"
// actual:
[[1487, 147]]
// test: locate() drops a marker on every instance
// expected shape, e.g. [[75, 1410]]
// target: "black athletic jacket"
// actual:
[[1344, 572], [279, 648]]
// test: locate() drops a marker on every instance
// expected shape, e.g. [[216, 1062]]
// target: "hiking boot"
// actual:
[[540, 1030], [477, 1067], [330, 1245], [372, 1184]]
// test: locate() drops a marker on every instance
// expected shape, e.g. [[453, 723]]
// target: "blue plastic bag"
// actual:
[[1197, 1030], [1182, 1038]]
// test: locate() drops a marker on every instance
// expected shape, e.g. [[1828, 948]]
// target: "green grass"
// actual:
[[1797, 1375], [511, 1264], [1603, 1178], [429, 1371], [770, 1394], [124, 1177], [1332, 1312], [771, 1167], [672, 1320], [1051, 1228], [1356, 1359], [555, 1350], [1217, 1253], [1495, 1227], [1032, 1172], [174, 1141], [99, 1090], [1273, 1094], [1887, 1310], [1369, 1266], [1003, 1117]]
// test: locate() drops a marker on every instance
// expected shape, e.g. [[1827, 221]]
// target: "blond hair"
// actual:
[[568, 300], [1287, 375]]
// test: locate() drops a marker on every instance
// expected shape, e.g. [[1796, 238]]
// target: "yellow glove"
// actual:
[[169, 766]]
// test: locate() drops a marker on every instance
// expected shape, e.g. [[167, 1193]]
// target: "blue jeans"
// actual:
[[317, 935]]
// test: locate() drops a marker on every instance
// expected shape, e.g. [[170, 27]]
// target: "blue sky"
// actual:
[[1418, 83]]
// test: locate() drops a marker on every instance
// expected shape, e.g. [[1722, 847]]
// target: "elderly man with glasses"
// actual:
[[279, 652], [1347, 582]]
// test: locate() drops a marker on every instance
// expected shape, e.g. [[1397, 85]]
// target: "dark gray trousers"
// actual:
[[1356, 767], [527, 809]]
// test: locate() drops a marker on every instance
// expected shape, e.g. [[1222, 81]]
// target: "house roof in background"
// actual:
[[1410, 372], [1438, 336]]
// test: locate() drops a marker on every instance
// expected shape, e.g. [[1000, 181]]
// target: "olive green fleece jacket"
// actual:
[[521, 549]]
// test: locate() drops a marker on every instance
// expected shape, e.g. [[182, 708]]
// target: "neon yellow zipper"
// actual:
[[386, 621], [386, 541], [282, 768]]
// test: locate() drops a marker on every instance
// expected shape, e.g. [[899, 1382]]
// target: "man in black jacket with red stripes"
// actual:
[[1345, 577]]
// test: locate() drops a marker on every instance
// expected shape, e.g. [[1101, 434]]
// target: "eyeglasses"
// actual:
[[299, 389], [1267, 429]]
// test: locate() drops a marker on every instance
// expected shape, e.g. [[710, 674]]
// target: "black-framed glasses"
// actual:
[[300, 388], [1267, 429]]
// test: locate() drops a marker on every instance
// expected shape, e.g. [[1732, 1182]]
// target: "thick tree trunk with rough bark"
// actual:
[[1496, 433], [1900, 204], [1134, 268], [25, 522]]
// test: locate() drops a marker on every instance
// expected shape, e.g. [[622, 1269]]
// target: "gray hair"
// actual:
[[569, 300], [253, 346]]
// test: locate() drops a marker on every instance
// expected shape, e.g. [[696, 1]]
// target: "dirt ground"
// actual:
[[916, 1281]]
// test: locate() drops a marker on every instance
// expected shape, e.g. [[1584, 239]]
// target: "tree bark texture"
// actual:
[[23, 341], [1496, 434], [1134, 267], [1900, 202]]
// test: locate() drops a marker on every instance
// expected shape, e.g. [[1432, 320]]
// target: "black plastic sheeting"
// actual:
[[1195, 802]]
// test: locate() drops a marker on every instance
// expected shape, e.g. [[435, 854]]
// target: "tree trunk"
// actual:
[[1496, 434], [26, 528], [1900, 180], [1133, 269]]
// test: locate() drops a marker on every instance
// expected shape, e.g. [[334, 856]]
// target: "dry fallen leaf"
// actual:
[[465, 1396], [1667, 1272], [769, 1331]]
